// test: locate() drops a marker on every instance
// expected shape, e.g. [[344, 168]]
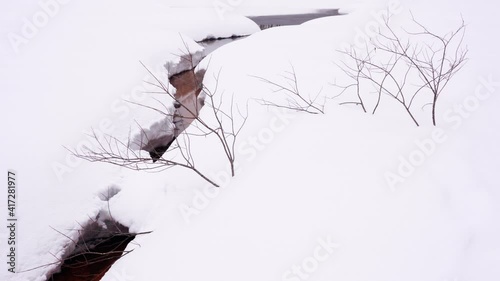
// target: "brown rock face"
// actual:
[[189, 84]]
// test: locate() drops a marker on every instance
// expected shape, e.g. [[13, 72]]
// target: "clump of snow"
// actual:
[[185, 60], [158, 133], [178, 115], [193, 22], [109, 193]]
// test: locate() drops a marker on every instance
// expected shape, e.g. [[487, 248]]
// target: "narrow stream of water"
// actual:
[[269, 21], [212, 45]]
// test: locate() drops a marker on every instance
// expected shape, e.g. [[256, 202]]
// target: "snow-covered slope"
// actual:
[[310, 199], [78, 72], [309, 182]]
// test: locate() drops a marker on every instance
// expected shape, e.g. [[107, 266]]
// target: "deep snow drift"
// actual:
[[310, 200]]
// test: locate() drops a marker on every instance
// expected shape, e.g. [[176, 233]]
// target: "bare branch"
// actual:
[[184, 113], [432, 61], [296, 100]]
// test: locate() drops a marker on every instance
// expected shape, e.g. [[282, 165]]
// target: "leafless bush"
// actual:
[[228, 124], [296, 100], [175, 148], [404, 66]]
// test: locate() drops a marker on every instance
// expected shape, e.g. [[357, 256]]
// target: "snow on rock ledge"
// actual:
[[209, 25], [185, 60]]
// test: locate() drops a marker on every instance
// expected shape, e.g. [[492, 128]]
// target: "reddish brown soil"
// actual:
[[92, 266], [186, 82]]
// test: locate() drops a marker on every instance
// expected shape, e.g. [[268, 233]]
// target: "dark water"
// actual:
[[269, 21], [212, 45]]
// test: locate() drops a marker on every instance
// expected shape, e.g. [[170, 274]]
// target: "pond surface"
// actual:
[[269, 21]]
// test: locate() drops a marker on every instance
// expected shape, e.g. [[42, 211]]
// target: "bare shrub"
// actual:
[[173, 147], [407, 66], [295, 99]]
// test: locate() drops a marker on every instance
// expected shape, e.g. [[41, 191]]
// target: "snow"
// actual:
[[220, 25], [301, 178], [161, 131], [265, 7], [76, 73], [184, 59]]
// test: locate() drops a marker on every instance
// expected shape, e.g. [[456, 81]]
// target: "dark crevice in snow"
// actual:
[[211, 39], [157, 152], [188, 83], [157, 139], [99, 244], [213, 44], [95, 252]]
